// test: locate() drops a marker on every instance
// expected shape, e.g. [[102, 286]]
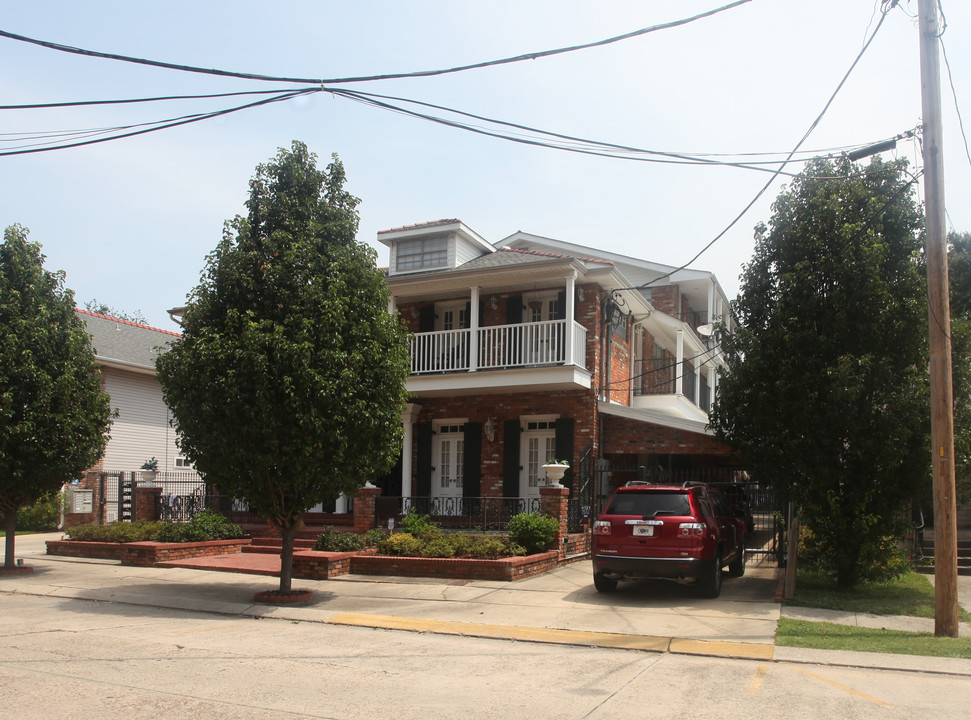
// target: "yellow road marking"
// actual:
[[850, 690], [757, 678], [565, 637]]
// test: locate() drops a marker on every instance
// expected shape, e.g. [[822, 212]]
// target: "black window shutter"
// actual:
[[561, 305], [514, 309], [468, 315], [426, 318], [510, 459], [423, 469], [472, 464], [564, 447]]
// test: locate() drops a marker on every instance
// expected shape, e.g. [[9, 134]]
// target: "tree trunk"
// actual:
[[286, 557], [10, 527]]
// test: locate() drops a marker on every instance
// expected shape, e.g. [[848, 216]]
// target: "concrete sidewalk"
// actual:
[[558, 607]]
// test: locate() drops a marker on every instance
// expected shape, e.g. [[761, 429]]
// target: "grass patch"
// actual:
[[910, 594], [827, 636]]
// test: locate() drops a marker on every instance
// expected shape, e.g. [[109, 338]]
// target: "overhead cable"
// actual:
[[367, 78]]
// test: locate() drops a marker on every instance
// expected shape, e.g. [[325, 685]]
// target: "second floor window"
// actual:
[[421, 253]]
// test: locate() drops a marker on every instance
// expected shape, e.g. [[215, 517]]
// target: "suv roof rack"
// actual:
[[635, 483], [693, 483]]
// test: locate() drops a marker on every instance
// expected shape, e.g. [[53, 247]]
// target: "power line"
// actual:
[[127, 101], [367, 78], [164, 124], [812, 126]]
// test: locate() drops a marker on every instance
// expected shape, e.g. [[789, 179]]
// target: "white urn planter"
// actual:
[[555, 473], [148, 477]]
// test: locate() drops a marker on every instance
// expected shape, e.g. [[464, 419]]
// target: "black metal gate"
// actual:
[[118, 496]]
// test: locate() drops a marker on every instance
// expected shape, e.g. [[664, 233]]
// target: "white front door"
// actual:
[[538, 446], [448, 456]]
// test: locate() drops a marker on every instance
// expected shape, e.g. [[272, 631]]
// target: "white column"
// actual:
[[678, 368], [569, 312], [698, 383], [392, 304], [408, 418], [474, 329]]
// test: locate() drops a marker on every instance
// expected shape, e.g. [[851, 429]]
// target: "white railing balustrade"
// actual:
[[498, 346]]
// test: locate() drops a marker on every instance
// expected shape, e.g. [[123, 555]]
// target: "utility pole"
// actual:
[[942, 392]]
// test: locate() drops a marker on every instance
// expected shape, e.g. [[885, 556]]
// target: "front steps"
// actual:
[[964, 555]]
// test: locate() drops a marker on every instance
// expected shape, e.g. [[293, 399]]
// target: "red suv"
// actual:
[[667, 531]]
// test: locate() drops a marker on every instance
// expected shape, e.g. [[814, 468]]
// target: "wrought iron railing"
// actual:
[[472, 513]]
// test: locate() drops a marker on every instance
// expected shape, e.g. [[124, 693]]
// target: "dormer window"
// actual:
[[421, 254]]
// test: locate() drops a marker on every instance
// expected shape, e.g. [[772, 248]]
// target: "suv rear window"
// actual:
[[649, 504]]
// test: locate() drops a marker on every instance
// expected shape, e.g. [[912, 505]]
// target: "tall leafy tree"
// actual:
[[959, 261], [54, 417], [826, 392], [287, 385]]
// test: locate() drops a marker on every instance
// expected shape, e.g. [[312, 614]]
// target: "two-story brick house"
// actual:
[[535, 349]]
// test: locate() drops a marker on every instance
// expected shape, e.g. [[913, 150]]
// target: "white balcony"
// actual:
[[521, 345]]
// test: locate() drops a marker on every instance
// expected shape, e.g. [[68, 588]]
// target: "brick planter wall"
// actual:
[[320, 565], [145, 553], [515, 568]]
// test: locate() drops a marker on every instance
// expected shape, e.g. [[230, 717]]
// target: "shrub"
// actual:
[[337, 541], [533, 531], [374, 536], [204, 526], [43, 515], [880, 561], [117, 532], [416, 524], [402, 544], [489, 548], [438, 548]]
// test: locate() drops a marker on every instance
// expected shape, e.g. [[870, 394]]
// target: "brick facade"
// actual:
[[630, 437]]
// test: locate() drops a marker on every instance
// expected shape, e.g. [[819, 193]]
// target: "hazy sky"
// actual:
[[131, 221]]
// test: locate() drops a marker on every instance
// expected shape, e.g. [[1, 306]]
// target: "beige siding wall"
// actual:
[[142, 429]]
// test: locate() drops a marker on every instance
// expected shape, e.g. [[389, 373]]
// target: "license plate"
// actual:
[[644, 530]]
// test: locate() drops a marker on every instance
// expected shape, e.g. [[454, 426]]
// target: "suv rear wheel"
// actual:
[[711, 585], [603, 583]]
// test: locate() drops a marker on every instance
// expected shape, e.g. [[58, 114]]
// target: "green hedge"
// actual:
[[204, 526]]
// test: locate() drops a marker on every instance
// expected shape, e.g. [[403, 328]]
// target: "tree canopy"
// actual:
[[54, 418], [287, 385], [826, 393]]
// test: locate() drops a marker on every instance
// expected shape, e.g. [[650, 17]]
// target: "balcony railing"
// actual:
[[498, 346], [658, 377]]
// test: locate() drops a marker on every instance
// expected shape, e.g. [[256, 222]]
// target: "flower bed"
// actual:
[[144, 553], [510, 568]]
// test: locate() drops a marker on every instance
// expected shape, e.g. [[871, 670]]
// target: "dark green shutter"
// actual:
[[564, 447], [510, 459], [426, 318], [514, 309], [423, 469], [472, 463]]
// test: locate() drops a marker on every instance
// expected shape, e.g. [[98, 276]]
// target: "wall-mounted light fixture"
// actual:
[[494, 302], [490, 429], [580, 294]]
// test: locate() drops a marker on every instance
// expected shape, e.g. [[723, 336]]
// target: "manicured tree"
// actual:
[[287, 384], [827, 389], [54, 418]]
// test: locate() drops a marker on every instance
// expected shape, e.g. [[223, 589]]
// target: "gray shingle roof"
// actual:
[[127, 343]]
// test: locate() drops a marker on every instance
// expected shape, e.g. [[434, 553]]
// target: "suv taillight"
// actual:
[[691, 529], [601, 527]]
